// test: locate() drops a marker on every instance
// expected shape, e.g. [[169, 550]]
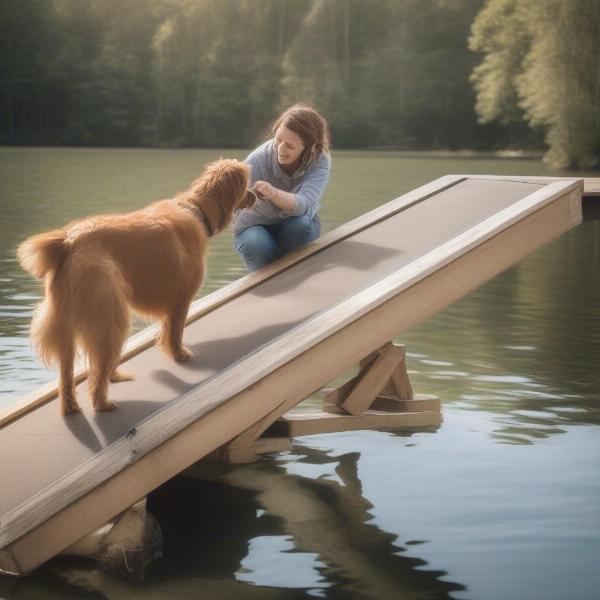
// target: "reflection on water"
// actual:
[[318, 496], [292, 527], [501, 502], [525, 346]]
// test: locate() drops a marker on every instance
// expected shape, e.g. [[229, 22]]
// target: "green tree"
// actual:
[[541, 62], [388, 73], [106, 69], [323, 64], [218, 69], [417, 78], [27, 38]]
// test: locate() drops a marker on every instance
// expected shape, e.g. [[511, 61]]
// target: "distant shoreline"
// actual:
[[467, 153]]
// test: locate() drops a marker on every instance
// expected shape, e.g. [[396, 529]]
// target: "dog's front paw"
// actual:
[[183, 354], [70, 408]]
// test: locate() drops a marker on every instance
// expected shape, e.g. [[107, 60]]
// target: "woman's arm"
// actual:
[[308, 195], [284, 201]]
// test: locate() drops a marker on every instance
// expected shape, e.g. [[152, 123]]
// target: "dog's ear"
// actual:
[[224, 181], [234, 185]]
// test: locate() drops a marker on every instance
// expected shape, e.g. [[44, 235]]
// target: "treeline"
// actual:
[[407, 74], [541, 66]]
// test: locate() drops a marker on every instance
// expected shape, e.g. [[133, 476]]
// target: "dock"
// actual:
[[591, 187], [261, 346]]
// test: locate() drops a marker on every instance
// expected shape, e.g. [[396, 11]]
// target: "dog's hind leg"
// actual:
[[52, 334], [119, 375], [68, 400], [98, 384], [104, 350], [171, 337], [103, 329]]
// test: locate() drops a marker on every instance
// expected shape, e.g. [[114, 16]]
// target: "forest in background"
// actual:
[[398, 74]]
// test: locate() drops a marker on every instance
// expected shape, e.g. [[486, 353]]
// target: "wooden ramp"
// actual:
[[263, 344]]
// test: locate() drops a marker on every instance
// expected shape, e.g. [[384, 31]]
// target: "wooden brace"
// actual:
[[382, 373], [378, 397]]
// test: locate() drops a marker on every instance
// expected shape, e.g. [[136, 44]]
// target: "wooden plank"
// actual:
[[297, 378], [374, 380], [337, 395], [9, 564], [399, 383], [262, 425], [296, 425], [240, 454], [160, 425], [591, 185], [146, 338], [168, 421], [418, 403], [250, 435]]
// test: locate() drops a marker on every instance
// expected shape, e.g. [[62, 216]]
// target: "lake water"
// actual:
[[502, 501]]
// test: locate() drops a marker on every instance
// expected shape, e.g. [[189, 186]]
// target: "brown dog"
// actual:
[[151, 260]]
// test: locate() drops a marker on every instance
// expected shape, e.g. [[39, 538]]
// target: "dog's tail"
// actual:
[[43, 253], [52, 331], [51, 328]]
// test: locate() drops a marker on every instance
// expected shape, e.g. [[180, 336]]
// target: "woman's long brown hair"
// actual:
[[310, 126]]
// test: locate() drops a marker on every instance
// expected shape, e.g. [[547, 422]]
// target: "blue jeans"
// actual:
[[260, 245]]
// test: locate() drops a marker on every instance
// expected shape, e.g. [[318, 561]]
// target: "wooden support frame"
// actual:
[[299, 424], [379, 397], [382, 373], [372, 393], [285, 371]]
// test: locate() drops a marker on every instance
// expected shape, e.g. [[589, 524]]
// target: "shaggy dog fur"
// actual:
[[151, 260]]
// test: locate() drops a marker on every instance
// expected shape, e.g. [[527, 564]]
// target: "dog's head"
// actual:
[[221, 190]]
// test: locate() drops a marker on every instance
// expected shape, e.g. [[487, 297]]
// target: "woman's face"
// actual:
[[289, 146]]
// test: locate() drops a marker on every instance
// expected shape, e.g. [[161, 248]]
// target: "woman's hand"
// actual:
[[282, 200], [265, 190]]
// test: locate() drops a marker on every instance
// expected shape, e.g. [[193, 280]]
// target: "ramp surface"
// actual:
[[61, 477]]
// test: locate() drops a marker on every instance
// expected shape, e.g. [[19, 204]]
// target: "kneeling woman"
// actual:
[[289, 175]]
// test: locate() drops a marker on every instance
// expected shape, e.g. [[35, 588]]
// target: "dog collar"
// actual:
[[201, 216]]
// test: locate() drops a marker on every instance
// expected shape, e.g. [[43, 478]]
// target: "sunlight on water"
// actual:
[[271, 560]]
